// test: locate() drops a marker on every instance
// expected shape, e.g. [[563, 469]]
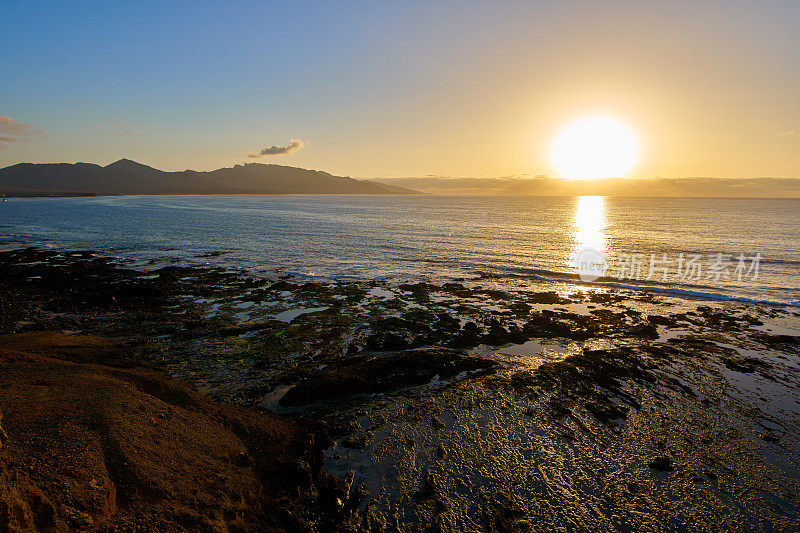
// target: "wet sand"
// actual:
[[470, 405]]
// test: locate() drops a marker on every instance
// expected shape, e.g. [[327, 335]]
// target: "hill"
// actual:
[[129, 177]]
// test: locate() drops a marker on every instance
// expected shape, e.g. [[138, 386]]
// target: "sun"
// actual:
[[594, 147]]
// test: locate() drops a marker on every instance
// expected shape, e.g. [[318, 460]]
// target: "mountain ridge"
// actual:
[[125, 176]]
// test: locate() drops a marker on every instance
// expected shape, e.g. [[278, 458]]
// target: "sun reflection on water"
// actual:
[[589, 225]]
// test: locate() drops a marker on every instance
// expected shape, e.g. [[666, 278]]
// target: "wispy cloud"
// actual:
[[787, 133], [293, 146], [13, 131]]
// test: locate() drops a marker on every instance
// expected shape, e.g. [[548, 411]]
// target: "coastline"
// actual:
[[437, 396], [559, 281], [434, 241]]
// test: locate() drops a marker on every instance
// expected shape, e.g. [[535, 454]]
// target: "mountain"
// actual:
[[705, 187], [129, 177]]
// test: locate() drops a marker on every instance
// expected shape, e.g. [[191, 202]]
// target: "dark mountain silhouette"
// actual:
[[129, 177]]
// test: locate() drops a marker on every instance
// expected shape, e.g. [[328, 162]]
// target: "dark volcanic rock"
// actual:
[[394, 333], [745, 365], [550, 297], [381, 374], [606, 411], [469, 336], [388, 342], [662, 464], [419, 291], [778, 341], [548, 324], [498, 335], [644, 331]]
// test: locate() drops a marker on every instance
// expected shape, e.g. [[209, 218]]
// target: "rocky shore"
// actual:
[[177, 398]]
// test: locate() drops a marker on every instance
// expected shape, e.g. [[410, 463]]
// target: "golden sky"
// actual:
[[467, 89]]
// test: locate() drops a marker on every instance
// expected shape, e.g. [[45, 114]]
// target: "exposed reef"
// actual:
[[203, 398]]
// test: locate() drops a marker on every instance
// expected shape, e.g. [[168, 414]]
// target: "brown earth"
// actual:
[[89, 442]]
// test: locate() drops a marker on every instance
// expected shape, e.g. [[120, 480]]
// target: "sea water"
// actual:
[[441, 238]]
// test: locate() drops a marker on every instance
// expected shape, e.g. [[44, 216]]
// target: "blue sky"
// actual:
[[402, 89]]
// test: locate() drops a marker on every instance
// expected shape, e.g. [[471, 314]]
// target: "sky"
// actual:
[[401, 89]]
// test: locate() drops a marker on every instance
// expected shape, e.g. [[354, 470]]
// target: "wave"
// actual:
[[702, 292], [161, 256], [705, 295]]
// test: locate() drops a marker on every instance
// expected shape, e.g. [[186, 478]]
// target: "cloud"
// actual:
[[293, 146], [787, 133], [13, 131]]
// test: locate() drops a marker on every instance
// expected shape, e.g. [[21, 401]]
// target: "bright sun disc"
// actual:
[[594, 147]]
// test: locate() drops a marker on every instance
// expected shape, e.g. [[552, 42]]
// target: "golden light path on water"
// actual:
[[589, 226]]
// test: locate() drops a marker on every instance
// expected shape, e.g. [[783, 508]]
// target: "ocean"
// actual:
[[714, 248]]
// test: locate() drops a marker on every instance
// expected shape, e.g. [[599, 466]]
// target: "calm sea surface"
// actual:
[[436, 237]]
